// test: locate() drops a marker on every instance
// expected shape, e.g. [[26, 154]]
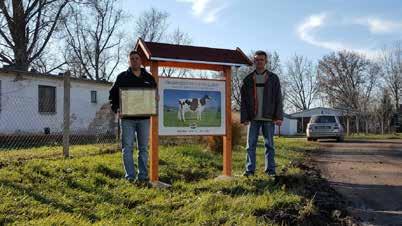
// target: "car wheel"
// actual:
[[315, 139], [309, 139]]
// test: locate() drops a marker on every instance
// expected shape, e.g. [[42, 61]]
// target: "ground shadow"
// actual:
[[379, 204]]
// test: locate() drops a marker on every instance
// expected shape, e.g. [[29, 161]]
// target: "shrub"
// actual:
[[215, 143]]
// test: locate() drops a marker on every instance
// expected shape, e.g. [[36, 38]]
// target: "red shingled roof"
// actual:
[[194, 54]]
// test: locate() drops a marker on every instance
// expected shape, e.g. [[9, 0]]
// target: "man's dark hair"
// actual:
[[133, 52], [261, 53]]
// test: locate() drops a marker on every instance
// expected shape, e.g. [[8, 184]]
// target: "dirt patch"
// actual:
[[321, 205], [368, 174]]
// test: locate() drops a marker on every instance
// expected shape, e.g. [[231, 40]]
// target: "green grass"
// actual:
[[375, 136], [209, 118], [38, 187]]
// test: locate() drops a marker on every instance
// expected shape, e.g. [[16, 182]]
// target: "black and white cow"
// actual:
[[196, 105]]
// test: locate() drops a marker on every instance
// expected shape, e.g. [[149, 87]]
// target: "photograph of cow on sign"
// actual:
[[191, 107]]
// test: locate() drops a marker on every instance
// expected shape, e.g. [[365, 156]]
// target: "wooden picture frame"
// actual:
[[138, 101]]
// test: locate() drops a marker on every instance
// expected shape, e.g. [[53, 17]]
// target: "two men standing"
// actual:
[[261, 108]]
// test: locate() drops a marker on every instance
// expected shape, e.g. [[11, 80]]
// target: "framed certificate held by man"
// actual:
[[139, 101]]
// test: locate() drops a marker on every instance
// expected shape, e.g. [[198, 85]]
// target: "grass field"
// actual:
[[209, 118], [375, 136], [38, 187]]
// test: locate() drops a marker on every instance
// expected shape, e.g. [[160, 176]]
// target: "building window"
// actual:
[[47, 99], [94, 98]]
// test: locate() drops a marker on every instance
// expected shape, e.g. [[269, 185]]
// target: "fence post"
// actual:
[[66, 116]]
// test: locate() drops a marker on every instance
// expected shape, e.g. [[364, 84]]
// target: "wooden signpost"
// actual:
[[156, 55]]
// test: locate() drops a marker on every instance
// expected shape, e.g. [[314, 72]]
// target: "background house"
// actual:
[[33, 103], [288, 128]]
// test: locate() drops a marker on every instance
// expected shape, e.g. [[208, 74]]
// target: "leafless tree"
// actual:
[[48, 62], [93, 39], [384, 110], [274, 63], [301, 80], [178, 37], [347, 80], [392, 69], [152, 25], [26, 27]]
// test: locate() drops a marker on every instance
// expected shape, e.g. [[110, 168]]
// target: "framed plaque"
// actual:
[[139, 101]]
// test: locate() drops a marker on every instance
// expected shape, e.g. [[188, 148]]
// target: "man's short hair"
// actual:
[[261, 53], [133, 52]]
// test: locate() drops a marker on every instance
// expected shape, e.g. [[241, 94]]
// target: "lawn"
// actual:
[[375, 136], [209, 118], [39, 187]]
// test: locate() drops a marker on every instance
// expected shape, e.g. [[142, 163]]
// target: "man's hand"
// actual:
[[278, 122], [118, 114], [157, 97]]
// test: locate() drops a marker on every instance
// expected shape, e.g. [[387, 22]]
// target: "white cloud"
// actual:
[[207, 10], [377, 25], [314, 22]]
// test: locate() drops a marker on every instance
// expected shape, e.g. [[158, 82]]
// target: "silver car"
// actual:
[[324, 127]]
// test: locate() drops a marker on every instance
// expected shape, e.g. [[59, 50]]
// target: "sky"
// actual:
[[311, 28]]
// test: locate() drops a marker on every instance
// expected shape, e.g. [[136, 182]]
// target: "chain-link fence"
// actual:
[[33, 115]]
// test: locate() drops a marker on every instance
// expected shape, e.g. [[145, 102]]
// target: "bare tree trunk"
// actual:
[[26, 28], [357, 124], [389, 127], [367, 126]]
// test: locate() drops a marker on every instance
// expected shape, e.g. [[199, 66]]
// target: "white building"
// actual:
[[33, 102], [288, 128]]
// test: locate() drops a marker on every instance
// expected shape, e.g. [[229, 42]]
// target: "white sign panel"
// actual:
[[191, 107]]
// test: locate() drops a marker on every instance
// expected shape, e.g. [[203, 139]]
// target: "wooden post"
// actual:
[[154, 138], [227, 139], [66, 115]]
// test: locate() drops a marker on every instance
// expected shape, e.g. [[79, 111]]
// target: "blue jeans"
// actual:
[[268, 129], [131, 129]]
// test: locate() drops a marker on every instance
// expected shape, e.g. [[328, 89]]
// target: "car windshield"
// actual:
[[323, 119]]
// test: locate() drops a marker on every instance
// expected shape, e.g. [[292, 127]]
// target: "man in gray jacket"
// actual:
[[261, 108]]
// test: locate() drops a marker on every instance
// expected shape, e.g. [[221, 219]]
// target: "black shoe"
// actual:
[[273, 175], [143, 183], [248, 174], [130, 180]]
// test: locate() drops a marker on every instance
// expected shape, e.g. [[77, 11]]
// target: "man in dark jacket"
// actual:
[[133, 127], [261, 108]]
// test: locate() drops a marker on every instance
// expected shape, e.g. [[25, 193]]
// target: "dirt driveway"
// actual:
[[369, 174]]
